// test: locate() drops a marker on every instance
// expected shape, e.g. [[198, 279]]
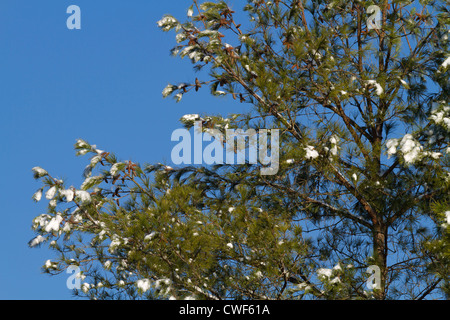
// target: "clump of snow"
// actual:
[[446, 63], [167, 23], [50, 193], [167, 90], [379, 90], [337, 267], [54, 224], [68, 194], [190, 117], [323, 272], [89, 181], [190, 12], [84, 196], [36, 241], [143, 285], [447, 220], [334, 140], [392, 147], [311, 153], [404, 83], [335, 280], [150, 236], [85, 287], [39, 172], [50, 265], [410, 148], [441, 116], [115, 168], [38, 195], [41, 221], [115, 243]]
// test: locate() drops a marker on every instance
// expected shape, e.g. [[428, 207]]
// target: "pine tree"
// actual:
[[363, 181]]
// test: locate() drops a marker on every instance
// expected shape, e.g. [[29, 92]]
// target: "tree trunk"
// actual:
[[380, 256]]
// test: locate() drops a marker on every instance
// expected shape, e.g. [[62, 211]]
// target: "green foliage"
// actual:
[[364, 165]]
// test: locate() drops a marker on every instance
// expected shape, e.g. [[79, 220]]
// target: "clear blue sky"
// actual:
[[102, 83]]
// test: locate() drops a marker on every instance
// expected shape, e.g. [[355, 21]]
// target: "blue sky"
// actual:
[[102, 83]]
